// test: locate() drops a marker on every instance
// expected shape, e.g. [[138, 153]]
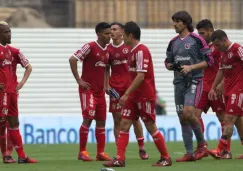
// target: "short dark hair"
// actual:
[[117, 23], [218, 34], [102, 26], [185, 17], [133, 28], [205, 23]]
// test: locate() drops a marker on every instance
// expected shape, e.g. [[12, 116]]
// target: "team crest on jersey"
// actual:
[[125, 51], [107, 55], [117, 55], [5, 111], [230, 55], [187, 46], [212, 49]]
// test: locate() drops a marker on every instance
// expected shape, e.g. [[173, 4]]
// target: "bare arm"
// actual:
[[135, 84], [74, 68], [107, 78], [218, 80], [27, 73]]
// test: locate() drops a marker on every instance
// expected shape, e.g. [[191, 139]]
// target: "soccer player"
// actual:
[[139, 98], [231, 71], [95, 57], [187, 55], [9, 95], [205, 29], [119, 81]]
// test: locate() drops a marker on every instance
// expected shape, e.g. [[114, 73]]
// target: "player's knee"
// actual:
[[87, 122], [100, 123], [125, 125], [151, 127]]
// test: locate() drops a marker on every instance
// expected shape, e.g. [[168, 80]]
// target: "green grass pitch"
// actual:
[[64, 158]]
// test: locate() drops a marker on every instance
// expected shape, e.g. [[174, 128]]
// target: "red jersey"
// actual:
[[231, 62], [119, 66], [5, 67], [94, 58], [140, 60], [210, 72], [18, 58]]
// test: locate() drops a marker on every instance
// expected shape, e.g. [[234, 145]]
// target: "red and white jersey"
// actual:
[[18, 58], [231, 62], [119, 66], [6, 67], [210, 72], [95, 59], [140, 60]]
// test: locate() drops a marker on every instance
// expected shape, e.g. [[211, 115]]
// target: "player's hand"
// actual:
[[1, 87], [219, 90], [169, 66], [19, 86], [83, 84], [212, 95], [123, 99], [185, 69]]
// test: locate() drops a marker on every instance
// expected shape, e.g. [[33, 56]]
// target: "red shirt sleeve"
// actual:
[[82, 53], [142, 60]]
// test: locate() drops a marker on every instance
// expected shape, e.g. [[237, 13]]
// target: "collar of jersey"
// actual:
[[136, 46], [100, 46]]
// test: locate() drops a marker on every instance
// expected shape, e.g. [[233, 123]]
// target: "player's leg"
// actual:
[[88, 104], [185, 126], [229, 120], [202, 106], [3, 135], [239, 126], [14, 133], [115, 109], [138, 130], [5, 142], [128, 114], [146, 111], [100, 117]]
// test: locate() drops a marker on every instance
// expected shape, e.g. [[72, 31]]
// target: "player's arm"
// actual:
[[169, 60], [107, 78], [79, 55], [20, 57], [135, 84], [27, 72], [219, 78]]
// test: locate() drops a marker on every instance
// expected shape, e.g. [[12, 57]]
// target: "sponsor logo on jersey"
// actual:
[[226, 66], [6, 62], [182, 58], [119, 62], [100, 63], [187, 46]]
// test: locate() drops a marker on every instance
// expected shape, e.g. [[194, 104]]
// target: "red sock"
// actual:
[[141, 143], [100, 138], [9, 143], [83, 137], [222, 144], [122, 143], [2, 138], [17, 141], [202, 125], [160, 144]]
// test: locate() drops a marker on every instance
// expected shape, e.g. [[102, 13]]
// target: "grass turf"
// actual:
[[64, 158]]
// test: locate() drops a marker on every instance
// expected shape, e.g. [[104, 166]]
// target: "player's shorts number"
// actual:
[[126, 112]]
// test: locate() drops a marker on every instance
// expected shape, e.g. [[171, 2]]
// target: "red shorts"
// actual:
[[114, 103], [205, 103], [132, 110], [93, 106], [9, 104], [234, 104]]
